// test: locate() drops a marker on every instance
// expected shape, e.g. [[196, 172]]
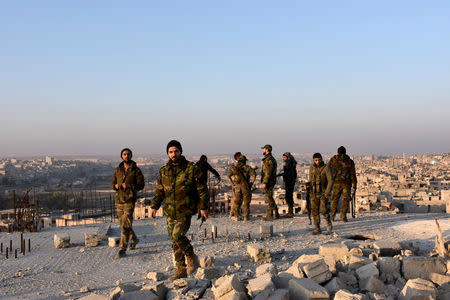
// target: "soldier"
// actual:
[[178, 187], [344, 176], [321, 183], [127, 180], [203, 166], [289, 177], [242, 186], [268, 180]]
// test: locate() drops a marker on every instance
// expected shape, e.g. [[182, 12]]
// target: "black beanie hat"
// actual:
[[317, 155], [174, 143], [342, 150], [126, 149]]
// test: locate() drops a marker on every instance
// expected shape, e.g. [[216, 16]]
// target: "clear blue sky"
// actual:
[[90, 77]]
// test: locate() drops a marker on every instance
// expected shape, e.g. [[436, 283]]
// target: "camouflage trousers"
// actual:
[[319, 204], [269, 199], [242, 194], [177, 229], [125, 216], [340, 189]]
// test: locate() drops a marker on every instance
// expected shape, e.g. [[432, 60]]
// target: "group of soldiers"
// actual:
[[182, 188]]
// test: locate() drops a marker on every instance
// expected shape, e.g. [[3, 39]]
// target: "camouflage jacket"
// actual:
[[269, 170], [343, 169], [179, 189], [241, 173], [321, 179], [133, 177]]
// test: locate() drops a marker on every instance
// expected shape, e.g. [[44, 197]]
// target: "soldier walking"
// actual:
[[344, 177], [321, 183], [289, 178], [204, 167], [239, 178], [178, 187], [127, 180], [268, 180]]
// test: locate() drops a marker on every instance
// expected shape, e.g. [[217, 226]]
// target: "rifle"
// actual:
[[199, 215], [353, 204]]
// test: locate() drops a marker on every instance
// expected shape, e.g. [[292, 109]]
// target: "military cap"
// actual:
[[268, 147]]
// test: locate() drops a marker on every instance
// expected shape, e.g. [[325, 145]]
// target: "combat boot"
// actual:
[[329, 226], [290, 213], [121, 253], [179, 273], [316, 230], [133, 244], [191, 263], [276, 214]]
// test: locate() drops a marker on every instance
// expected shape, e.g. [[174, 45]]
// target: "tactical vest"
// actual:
[[319, 180]]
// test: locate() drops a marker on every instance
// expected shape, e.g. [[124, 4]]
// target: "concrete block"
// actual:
[[90, 240], [113, 241], [155, 276], [336, 250], [196, 291], [388, 265], [331, 262], [346, 295], [266, 268], [207, 261], [418, 289], [232, 295], [225, 284], [387, 247], [262, 283], [159, 288], [422, 267], [335, 285], [372, 284], [209, 272], [282, 294], [281, 280], [139, 295], [103, 231], [318, 271], [61, 240], [367, 271], [439, 279], [348, 278], [305, 288], [93, 297], [356, 262], [266, 230], [259, 253]]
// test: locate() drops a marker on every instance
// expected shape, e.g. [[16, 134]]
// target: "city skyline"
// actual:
[[92, 78]]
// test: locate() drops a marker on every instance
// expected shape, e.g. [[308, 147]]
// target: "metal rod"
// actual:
[[212, 237], [6, 256], [15, 253], [29, 245], [10, 245], [249, 237]]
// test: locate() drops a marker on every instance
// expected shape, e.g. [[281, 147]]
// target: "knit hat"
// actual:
[[174, 143]]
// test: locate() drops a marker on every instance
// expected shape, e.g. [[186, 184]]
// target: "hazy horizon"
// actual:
[[84, 77]]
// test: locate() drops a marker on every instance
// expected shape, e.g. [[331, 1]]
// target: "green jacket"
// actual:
[[269, 170], [321, 179], [178, 187], [133, 177], [241, 173], [343, 169]]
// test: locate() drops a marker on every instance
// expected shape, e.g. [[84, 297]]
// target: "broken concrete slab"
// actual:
[[335, 285], [139, 295], [348, 278], [367, 271], [281, 280], [346, 295], [93, 297], [197, 291], [305, 288], [266, 268], [439, 279], [372, 284], [387, 247], [210, 272], [356, 262], [113, 241], [336, 250], [282, 294], [418, 288], [227, 283], [61, 240], [159, 288], [262, 283], [318, 271], [422, 267], [155, 276], [90, 240], [259, 253], [388, 265], [207, 261], [233, 295]]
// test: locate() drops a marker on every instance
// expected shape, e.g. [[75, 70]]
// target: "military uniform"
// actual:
[[182, 194], [344, 176], [269, 178], [321, 183], [126, 199], [241, 173]]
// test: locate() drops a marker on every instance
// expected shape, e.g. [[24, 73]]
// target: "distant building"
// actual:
[[49, 160]]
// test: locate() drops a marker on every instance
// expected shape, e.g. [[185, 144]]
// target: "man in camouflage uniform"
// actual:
[[321, 184], [344, 176], [182, 194], [268, 180], [127, 180], [239, 178]]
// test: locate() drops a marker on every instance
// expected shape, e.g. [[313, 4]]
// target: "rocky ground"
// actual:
[[74, 272]]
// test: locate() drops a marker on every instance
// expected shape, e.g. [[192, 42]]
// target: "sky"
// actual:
[[93, 77]]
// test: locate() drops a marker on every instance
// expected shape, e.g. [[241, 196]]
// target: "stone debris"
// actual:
[[210, 272], [197, 290], [281, 281], [260, 284], [281, 294], [335, 284], [90, 240], [422, 267], [259, 253], [266, 230], [346, 295], [155, 276], [418, 288], [61, 240], [440, 279], [93, 297], [389, 268], [372, 284], [84, 289], [366, 272], [266, 268], [387, 247], [113, 241], [121, 289], [227, 284], [336, 250], [159, 288], [206, 261], [103, 231], [318, 271], [348, 278], [181, 282], [139, 295], [305, 288], [356, 262]]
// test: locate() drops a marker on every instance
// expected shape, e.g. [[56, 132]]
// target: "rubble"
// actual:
[[207, 261], [439, 279], [61, 240], [335, 284], [155, 276], [139, 295], [159, 288], [281, 294], [387, 247], [422, 267], [90, 240], [266, 268], [318, 271], [418, 289], [346, 295], [336, 250], [305, 288], [113, 241], [227, 284], [209, 272], [259, 253], [259, 284]]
